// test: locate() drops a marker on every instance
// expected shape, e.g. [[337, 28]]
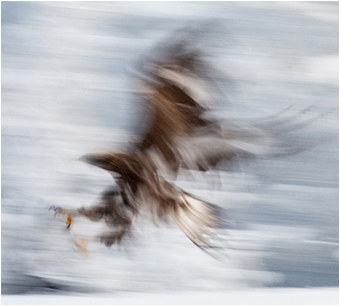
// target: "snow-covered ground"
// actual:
[[67, 91], [315, 296]]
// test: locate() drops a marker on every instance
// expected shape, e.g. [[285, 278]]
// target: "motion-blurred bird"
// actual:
[[176, 87]]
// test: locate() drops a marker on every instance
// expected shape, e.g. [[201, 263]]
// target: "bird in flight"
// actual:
[[176, 89]]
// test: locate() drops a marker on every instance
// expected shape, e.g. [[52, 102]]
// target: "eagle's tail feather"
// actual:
[[197, 219]]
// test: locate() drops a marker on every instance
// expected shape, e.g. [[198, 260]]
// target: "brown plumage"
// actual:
[[178, 136]]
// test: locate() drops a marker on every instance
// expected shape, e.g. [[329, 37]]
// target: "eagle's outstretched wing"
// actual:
[[176, 92]]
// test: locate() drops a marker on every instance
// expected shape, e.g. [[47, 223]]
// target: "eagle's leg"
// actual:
[[82, 243], [65, 214]]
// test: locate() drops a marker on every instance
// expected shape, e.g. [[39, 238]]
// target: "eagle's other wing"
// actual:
[[176, 94], [177, 90]]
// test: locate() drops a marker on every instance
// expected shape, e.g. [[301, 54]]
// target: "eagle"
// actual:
[[177, 85]]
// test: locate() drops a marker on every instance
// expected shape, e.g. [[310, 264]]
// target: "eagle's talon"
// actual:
[[69, 221], [62, 212], [56, 209]]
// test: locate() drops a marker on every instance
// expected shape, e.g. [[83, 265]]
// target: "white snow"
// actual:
[[284, 296]]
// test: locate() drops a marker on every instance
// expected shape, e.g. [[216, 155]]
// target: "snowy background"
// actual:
[[67, 91]]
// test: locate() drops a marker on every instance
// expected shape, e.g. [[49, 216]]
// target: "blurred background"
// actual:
[[67, 90]]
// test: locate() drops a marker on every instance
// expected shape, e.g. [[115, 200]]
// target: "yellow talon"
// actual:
[[69, 221], [64, 214]]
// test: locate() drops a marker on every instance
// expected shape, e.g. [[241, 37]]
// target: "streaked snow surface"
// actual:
[[67, 91], [273, 296]]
